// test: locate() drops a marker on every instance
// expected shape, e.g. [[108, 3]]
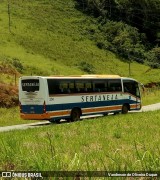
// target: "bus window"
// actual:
[[53, 86], [30, 85], [88, 87], [83, 86], [131, 87], [114, 85], [99, 86], [79, 85], [66, 87]]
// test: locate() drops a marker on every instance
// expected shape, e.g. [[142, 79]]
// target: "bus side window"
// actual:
[[71, 87], [114, 85], [66, 87], [53, 86], [79, 86], [88, 86], [99, 86], [83, 86], [63, 87]]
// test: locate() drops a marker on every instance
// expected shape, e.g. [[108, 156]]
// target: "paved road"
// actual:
[[152, 107]]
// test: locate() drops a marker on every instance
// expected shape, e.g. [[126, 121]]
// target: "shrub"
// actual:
[[8, 95], [153, 57], [89, 68], [18, 65]]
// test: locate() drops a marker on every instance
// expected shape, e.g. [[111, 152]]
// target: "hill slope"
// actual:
[[52, 37]]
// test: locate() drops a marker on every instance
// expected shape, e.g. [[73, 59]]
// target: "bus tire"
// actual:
[[68, 120], [115, 113], [75, 114], [105, 114], [125, 109], [57, 121]]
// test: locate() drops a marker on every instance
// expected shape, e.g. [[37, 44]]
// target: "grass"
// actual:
[[11, 117], [54, 38], [151, 96], [122, 142]]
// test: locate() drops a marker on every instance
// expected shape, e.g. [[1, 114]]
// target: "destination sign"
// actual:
[[30, 84]]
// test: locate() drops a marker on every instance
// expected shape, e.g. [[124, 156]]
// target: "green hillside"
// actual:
[[53, 37]]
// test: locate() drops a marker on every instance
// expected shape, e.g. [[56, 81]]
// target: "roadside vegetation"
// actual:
[[151, 96], [121, 142], [11, 116]]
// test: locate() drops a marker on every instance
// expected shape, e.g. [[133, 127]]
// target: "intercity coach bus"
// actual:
[[70, 97]]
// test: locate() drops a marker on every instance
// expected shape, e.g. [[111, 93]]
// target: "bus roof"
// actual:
[[75, 76], [88, 76]]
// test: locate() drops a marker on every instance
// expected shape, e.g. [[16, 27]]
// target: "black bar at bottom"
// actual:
[[41, 174]]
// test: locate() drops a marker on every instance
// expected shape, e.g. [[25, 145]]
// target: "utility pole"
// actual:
[[9, 17]]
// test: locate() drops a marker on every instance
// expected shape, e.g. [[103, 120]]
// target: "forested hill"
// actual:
[[128, 27]]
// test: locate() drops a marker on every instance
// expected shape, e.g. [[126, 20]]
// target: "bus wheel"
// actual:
[[124, 109], [75, 114], [105, 114], [115, 113], [68, 120], [57, 121]]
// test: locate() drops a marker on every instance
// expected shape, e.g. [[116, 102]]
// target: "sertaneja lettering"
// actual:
[[82, 98], [99, 98], [95, 98]]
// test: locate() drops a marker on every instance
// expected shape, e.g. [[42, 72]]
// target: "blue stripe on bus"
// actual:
[[57, 107], [38, 109]]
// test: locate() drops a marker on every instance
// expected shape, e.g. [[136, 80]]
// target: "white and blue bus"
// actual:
[[70, 97]]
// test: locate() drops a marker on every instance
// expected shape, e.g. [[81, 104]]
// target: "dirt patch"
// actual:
[[8, 95], [152, 85]]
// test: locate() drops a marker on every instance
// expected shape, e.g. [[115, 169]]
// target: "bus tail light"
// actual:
[[44, 107], [20, 107]]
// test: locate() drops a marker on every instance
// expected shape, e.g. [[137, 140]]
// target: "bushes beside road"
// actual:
[[8, 95]]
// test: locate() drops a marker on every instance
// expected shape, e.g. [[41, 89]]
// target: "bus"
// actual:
[[71, 97]]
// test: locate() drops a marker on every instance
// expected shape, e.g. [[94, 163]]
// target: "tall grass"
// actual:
[[92, 145], [11, 116], [151, 96]]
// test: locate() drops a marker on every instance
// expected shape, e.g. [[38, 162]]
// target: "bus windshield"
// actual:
[[131, 87]]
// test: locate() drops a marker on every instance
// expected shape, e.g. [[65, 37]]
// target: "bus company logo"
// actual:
[[104, 97], [30, 84], [6, 174]]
